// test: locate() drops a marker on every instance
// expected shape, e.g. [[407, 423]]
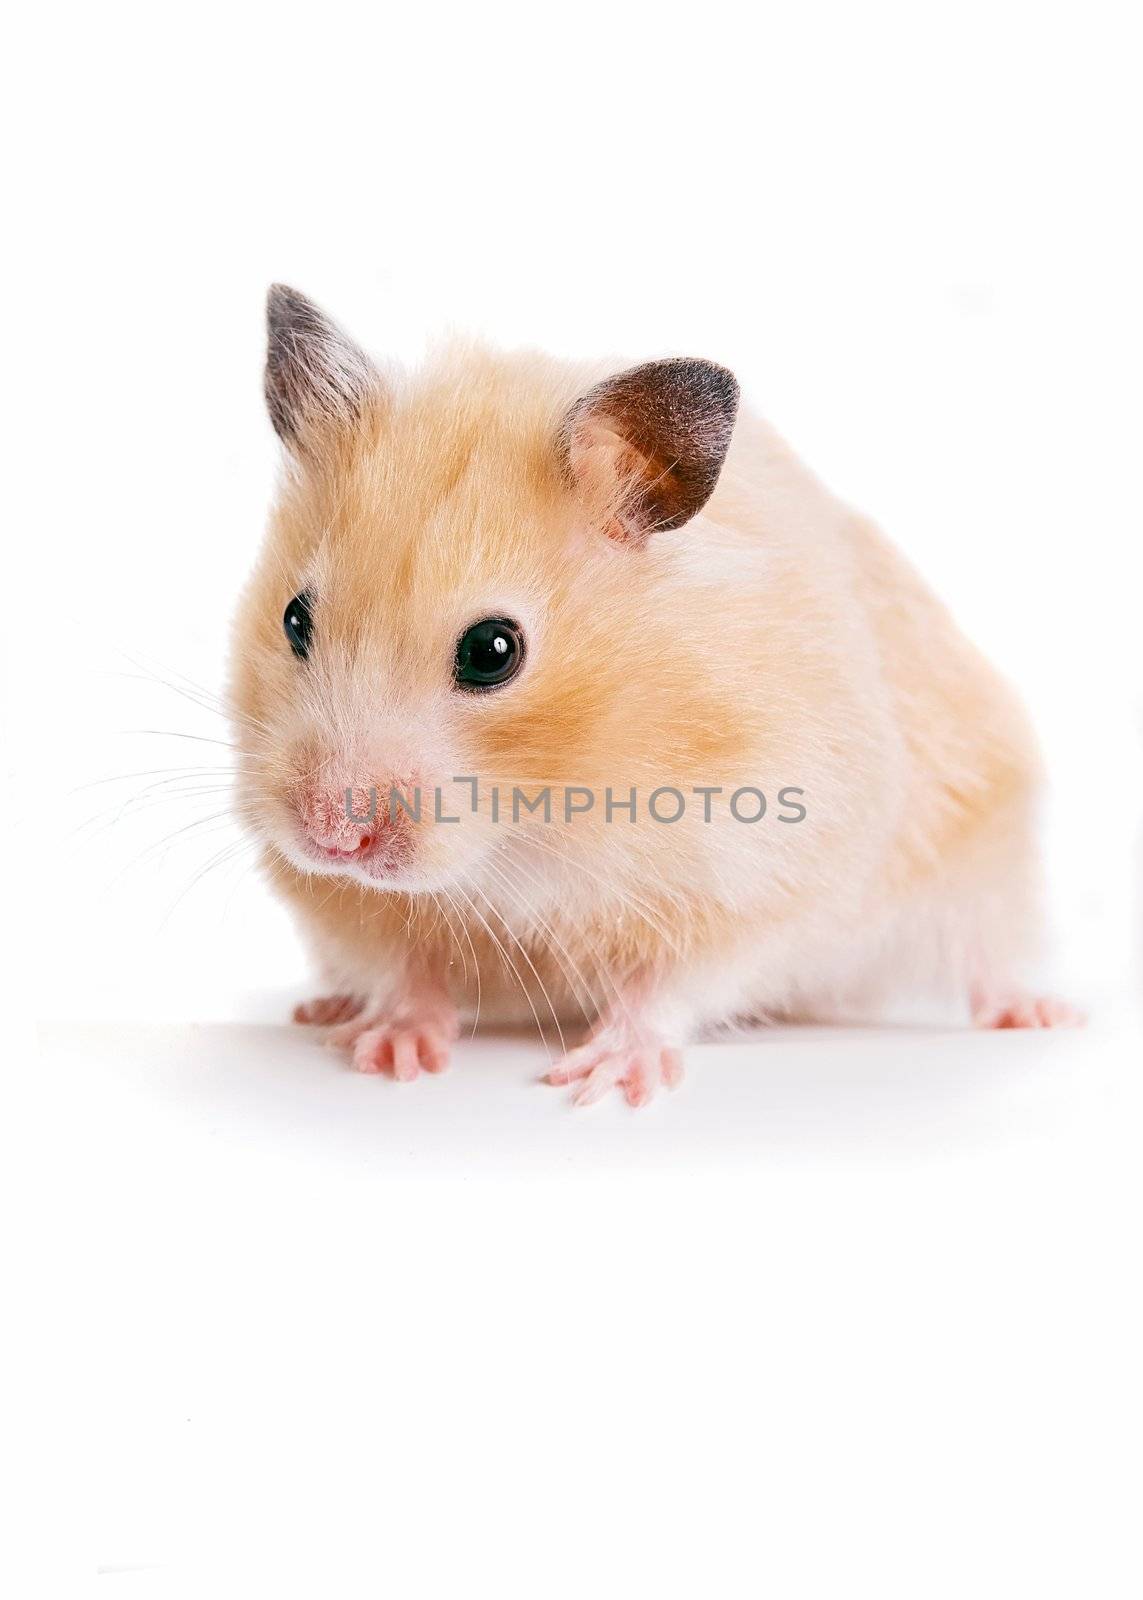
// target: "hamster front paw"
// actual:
[[414, 1037], [621, 1055]]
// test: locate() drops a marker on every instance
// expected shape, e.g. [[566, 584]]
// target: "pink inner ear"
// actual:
[[607, 472], [646, 447]]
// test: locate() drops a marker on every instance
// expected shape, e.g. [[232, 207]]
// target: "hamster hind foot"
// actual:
[[1014, 1008]]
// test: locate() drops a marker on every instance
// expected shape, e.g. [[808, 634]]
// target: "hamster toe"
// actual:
[[327, 1009], [1025, 1011], [401, 1052]]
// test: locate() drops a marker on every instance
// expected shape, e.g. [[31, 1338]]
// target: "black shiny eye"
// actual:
[[299, 624], [488, 654]]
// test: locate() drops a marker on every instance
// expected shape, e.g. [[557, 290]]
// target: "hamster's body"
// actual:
[[694, 613]]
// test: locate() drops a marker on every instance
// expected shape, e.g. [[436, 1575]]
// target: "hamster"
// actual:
[[510, 612]]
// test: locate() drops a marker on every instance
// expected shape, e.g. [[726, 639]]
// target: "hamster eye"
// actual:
[[298, 623], [488, 654]]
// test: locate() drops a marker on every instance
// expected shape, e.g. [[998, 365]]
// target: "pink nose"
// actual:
[[342, 824], [335, 852]]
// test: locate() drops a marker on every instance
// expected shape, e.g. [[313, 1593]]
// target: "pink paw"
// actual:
[[327, 1009], [400, 1047], [1024, 1011], [602, 1065]]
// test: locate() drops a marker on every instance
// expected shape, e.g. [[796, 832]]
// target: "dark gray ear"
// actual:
[[316, 377], [656, 436]]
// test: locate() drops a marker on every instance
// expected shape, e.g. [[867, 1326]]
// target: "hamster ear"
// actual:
[[317, 379], [645, 448]]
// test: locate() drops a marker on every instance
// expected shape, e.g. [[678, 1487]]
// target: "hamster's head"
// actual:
[[472, 590]]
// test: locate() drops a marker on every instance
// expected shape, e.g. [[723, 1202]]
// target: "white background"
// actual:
[[852, 1313]]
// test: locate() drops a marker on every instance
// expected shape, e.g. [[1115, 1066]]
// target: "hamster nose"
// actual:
[[347, 853], [341, 830]]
